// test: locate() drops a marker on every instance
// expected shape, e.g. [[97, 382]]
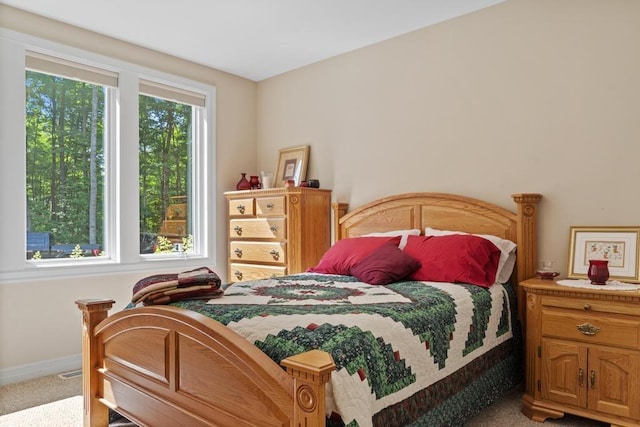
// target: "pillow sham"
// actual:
[[507, 251], [385, 265], [402, 233], [454, 258], [345, 253]]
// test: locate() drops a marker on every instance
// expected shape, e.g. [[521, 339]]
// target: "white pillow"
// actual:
[[507, 251], [404, 233]]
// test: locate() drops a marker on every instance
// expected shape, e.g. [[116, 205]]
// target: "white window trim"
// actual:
[[121, 158]]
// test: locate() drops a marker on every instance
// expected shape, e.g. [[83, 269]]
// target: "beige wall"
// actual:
[[526, 96], [39, 320]]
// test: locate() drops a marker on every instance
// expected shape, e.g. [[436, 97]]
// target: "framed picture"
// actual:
[[618, 245], [292, 164]]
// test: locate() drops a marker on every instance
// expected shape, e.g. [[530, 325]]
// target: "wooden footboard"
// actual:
[[163, 365]]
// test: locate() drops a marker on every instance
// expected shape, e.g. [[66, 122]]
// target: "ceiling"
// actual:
[[255, 39]]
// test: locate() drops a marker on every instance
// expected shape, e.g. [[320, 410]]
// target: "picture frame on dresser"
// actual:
[[292, 165], [616, 244]]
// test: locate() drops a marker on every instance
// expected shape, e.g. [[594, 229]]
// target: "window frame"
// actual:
[[121, 234]]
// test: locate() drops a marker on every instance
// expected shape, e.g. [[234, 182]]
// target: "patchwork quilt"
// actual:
[[409, 353]]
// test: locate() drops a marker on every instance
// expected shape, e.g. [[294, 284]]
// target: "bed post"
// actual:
[[339, 210], [310, 371], [93, 312], [527, 259]]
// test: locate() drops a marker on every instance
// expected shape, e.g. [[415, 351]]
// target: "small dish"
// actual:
[[547, 275]]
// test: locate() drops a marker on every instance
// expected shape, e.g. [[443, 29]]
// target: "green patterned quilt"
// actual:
[[406, 353]]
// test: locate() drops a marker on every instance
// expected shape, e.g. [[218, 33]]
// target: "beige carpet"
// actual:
[[52, 401], [61, 413]]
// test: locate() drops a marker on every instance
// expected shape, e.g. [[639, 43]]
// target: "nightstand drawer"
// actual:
[[244, 207], [591, 328], [591, 305], [270, 206], [272, 252], [259, 228], [241, 272]]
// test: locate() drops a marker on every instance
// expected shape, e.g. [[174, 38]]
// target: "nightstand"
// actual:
[[582, 353]]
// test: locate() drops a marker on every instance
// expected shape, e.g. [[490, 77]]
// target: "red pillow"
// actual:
[[455, 259], [385, 265], [345, 253]]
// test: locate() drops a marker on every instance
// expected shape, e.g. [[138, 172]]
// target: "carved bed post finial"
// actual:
[[93, 312], [311, 372]]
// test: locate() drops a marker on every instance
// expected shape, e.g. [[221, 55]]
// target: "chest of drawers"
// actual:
[[277, 231], [582, 353]]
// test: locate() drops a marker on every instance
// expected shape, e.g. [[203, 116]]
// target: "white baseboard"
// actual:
[[40, 369]]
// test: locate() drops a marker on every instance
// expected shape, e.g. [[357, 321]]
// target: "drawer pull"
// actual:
[[238, 274], [581, 377], [587, 306], [275, 254], [593, 379], [238, 230], [588, 329], [238, 252], [241, 208], [270, 205], [274, 228]]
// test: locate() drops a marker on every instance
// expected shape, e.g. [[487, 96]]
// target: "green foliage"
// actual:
[[164, 245], [187, 243], [77, 252], [59, 118], [36, 256]]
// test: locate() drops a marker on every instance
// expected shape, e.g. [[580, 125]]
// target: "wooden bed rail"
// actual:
[[264, 393]]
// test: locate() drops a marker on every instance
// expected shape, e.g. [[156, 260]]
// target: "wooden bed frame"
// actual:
[[162, 365]]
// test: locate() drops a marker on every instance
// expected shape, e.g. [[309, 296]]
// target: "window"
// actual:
[[166, 117], [65, 158], [111, 163]]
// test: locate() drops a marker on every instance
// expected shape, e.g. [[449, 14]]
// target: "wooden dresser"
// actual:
[[277, 231], [582, 353]]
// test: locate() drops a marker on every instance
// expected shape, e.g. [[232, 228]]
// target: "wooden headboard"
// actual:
[[449, 212]]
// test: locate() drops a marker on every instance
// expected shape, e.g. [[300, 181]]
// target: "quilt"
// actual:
[[409, 353]]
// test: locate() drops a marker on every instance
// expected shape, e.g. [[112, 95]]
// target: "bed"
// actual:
[[171, 365]]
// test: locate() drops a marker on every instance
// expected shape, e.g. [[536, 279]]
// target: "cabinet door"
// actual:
[[613, 382], [564, 372]]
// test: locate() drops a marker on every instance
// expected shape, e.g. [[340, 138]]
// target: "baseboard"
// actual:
[[40, 369]]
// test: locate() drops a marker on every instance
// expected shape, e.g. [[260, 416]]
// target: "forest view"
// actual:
[[66, 167]]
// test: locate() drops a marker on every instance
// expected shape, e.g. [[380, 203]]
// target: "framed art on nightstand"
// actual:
[[618, 245], [292, 165]]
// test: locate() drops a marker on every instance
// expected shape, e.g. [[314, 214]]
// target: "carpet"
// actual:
[[61, 413]]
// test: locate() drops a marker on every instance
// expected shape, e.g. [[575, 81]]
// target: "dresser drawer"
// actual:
[[598, 329], [273, 252], [270, 205], [244, 207], [242, 272], [258, 228]]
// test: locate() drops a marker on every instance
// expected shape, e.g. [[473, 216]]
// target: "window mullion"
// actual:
[[128, 206]]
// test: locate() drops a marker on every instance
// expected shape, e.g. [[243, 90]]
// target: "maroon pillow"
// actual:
[[345, 253], [455, 259], [385, 265]]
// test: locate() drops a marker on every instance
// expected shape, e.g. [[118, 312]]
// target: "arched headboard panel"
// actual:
[[449, 212]]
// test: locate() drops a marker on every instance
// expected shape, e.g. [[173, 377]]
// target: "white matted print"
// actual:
[[618, 245]]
